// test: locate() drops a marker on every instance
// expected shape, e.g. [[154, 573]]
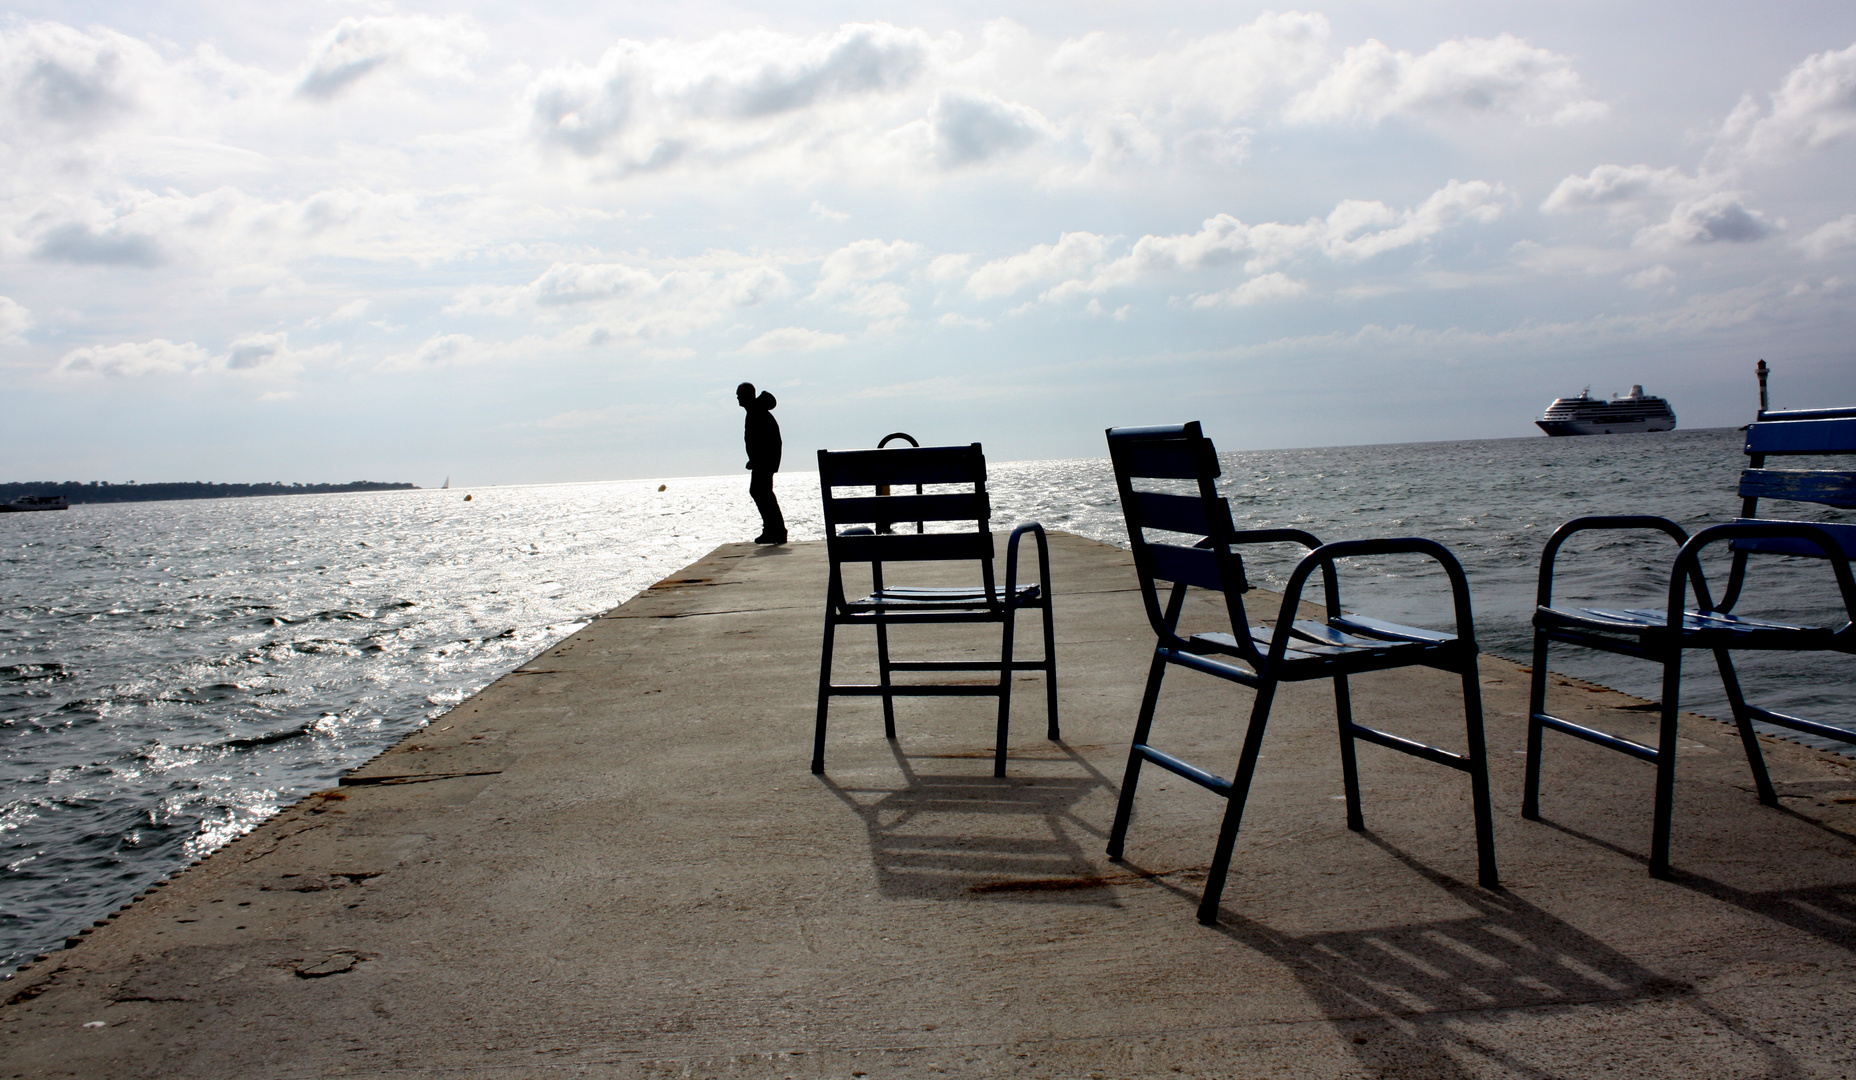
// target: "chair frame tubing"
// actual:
[[1665, 646], [1268, 669], [1001, 606]]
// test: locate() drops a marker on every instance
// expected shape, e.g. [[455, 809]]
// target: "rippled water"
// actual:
[[172, 673]]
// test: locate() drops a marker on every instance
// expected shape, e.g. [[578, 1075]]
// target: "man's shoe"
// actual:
[[770, 538]]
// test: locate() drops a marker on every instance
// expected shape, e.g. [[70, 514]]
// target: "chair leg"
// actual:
[[1052, 731], [1743, 719], [1005, 694], [1349, 765], [1478, 753], [824, 697], [1666, 765], [1143, 727], [1234, 805], [882, 675], [1536, 704]]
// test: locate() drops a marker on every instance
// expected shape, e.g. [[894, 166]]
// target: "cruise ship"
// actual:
[[1587, 415]]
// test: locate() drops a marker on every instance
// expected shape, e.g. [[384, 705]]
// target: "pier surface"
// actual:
[[613, 862]]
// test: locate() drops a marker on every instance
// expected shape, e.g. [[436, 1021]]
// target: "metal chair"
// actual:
[[1645, 633], [1262, 657], [857, 531]]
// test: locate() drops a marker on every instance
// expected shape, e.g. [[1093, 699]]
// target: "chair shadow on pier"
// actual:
[[1826, 912], [964, 835], [1407, 999]]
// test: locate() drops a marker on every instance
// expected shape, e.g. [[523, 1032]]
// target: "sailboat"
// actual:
[[446, 486]]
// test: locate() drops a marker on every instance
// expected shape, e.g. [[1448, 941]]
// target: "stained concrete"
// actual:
[[614, 863]]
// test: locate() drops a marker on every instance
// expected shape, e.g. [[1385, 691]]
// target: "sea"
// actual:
[[172, 673]]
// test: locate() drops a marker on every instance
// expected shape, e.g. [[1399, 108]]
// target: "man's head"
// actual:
[[745, 394]]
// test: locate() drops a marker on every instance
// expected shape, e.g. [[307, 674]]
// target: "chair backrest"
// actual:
[[1195, 548], [852, 521], [1793, 434]]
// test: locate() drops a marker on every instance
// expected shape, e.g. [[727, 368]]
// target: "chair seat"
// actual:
[[956, 598], [1652, 621], [1315, 639]]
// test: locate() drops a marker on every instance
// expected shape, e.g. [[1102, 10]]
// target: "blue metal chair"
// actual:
[[1645, 633], [1262, 657], [857, 531]]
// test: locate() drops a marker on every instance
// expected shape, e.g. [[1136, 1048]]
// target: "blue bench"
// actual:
[[1661, 635]]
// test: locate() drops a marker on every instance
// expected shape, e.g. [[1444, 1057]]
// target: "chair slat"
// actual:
[[1802, 437], [1188, 566], [961, 506], [1823, 486], [1170, 460], [1176, 513], [913, 547], [1844, 535], [911, 465]]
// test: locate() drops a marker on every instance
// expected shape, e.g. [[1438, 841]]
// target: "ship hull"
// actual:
[[1603, 427]]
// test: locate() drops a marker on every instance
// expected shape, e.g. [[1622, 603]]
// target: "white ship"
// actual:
[[1587, 415]]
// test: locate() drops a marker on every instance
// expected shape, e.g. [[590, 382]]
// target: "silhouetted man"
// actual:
[[763, 439]]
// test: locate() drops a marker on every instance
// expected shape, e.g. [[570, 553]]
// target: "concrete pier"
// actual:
[[614, 863]]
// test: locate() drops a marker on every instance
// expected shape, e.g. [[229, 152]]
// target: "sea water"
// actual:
[[173, 673]]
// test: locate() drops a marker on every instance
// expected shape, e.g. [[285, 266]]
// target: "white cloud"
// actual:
[[793, 339], [1073, 253], [631, 303], [854, 264], [1816, 105], [359, 46], [1622, 189], [131, 359], [1830, 238], [1354, 231], [439, 350], [1722, 216], [970, 127], [1263, 289], [644, 106], [67, 80], [15, 320], [1502, 76], [1650, 277]]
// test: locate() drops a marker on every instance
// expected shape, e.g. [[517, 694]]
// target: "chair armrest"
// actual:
[[1324, 558], [1688, 559], [1276, 536], [1011, 560], [1543, 596]]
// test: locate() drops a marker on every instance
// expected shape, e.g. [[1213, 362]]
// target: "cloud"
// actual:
[[1830, 238], [1715, 218], [439, 350], [1356, 230], [631, 304], [1501, 76], [74, 242], [1622, 190], [132, 359], [849, 267], [1264, 289], [793, 339], [1073, 253], [68, 79], [1650, 277], [358, 46], [644, 105], [15, 320], [1816, 105], [968, 128]]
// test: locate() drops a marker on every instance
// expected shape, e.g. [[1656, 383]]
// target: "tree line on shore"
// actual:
[[102, 491]]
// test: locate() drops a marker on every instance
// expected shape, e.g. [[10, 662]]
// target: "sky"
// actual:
[[325, 241]]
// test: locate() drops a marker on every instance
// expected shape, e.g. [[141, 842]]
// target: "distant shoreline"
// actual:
[[103, 492]]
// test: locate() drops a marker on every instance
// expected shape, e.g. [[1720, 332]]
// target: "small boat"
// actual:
[[1625, 413], [28, 503]]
